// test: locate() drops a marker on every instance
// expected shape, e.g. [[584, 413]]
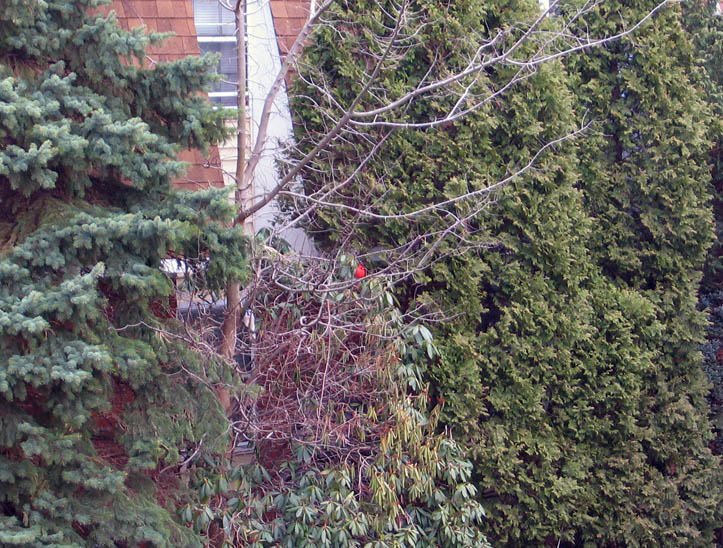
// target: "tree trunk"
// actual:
[[242, 195]]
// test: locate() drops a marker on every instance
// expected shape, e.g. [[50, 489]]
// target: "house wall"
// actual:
[[289, 18], [172, 16], [272, 28], [264, 63]]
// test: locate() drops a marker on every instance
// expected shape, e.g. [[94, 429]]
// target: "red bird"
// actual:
[[360, 272]]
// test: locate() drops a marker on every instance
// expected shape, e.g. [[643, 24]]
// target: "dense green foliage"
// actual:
[[570, 368], [93, 397], [706, 32], [646, 178]]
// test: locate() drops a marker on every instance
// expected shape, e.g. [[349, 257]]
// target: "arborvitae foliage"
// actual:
[[578, 401], [706, 32], [95, 391], [645, 177]]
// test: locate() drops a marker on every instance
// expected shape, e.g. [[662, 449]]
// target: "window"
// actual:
[[216, 30], [212, 19]]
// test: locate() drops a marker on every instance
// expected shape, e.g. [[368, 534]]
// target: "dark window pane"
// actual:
[[225, 101], [227, 65]]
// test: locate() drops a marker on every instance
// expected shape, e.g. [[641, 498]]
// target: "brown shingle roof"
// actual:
[[177, 16], [173, 16], [289, 18]]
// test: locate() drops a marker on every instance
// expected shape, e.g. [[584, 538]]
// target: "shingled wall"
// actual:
[[176, 16], [289, 18], [173, 16]]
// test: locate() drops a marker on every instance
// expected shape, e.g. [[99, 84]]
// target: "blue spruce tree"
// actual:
[[95, 391]]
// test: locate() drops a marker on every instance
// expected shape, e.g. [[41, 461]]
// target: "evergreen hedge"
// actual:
[[646, 181], [706, 33], [579, 398]]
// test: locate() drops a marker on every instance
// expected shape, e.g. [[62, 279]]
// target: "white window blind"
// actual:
[[212, 19], [216, 27]]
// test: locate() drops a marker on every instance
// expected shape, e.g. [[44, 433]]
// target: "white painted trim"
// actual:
[[210, 39], [222, 94]]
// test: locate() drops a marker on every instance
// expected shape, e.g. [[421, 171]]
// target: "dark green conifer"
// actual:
[[95, 391], [645, 178], [706, 33], [558, 380]]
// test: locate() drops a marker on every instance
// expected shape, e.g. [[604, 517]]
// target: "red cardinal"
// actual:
[[360, 272]]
